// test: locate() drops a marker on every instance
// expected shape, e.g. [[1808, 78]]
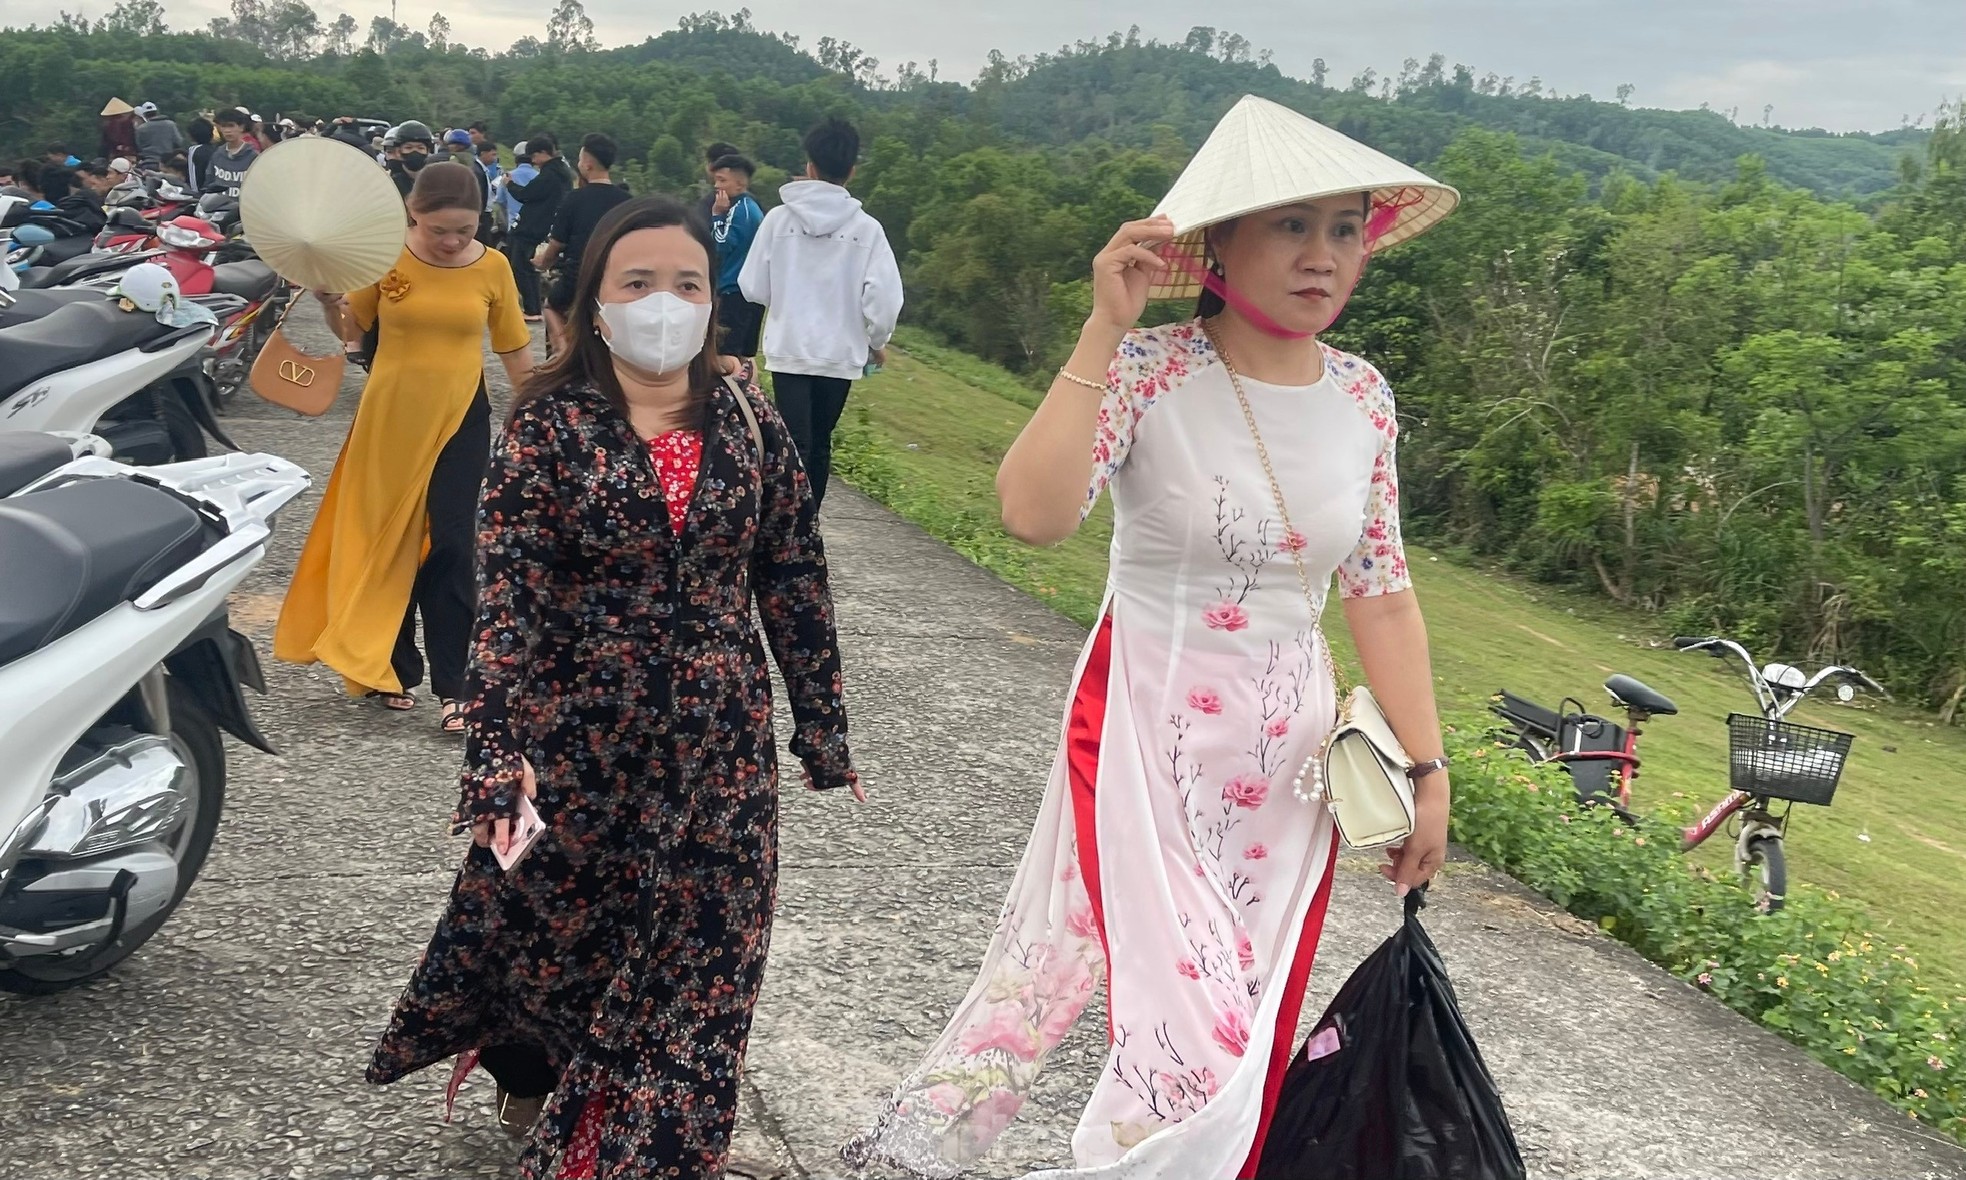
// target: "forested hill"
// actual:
[[1128, 92], [1729, 391], [1121, 91]]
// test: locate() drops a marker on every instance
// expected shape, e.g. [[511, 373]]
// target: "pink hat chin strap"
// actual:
[[1384, 213]]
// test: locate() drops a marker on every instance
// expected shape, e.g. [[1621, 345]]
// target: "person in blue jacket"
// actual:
[[734, 218]]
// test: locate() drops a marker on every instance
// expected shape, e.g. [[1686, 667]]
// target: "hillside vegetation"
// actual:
[[1705, 385]]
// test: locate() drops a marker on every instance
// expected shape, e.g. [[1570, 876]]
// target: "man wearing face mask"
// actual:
[[414, 143]]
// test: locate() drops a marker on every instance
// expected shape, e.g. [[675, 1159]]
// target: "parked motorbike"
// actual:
[[84, 364], [195, 252], [119, 670]]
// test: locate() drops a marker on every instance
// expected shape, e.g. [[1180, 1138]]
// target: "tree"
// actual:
[[1625, 92], [278, 28], [340, 38], [142, 17], [570, 29], [439, 32], [385, 34], [1319, 72]]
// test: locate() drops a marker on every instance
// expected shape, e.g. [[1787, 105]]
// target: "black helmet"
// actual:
[[414, 132]]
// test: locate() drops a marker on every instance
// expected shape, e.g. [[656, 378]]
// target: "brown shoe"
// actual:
[[517, 1115]]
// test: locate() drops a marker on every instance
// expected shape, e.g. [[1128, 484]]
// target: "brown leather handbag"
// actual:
[[286, 376]]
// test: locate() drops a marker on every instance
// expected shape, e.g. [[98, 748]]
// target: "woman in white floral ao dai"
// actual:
[[1171, 856]]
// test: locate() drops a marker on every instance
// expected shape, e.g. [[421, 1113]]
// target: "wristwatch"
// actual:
[[1420, 770]]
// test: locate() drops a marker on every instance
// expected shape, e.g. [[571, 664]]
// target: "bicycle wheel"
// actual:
[[1766, 874]]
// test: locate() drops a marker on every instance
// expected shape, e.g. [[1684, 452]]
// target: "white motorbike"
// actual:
[[118, 671], [69, 358]]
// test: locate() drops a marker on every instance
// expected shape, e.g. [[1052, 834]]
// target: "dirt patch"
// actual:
[[254, 614], [1543, 637], [1941, 845]]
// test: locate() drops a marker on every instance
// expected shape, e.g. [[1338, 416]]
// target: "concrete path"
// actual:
[[232, 1046]]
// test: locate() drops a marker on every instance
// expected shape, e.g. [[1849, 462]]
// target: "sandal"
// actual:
[[452, 721], [517, 1115], [395, 702]]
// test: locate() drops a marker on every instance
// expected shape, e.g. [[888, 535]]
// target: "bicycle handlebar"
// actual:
[[1683, 642]]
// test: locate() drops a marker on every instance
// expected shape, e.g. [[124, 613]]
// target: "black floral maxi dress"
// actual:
[[623, 662]]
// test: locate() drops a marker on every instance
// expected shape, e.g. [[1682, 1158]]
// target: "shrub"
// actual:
[[1813, 972]]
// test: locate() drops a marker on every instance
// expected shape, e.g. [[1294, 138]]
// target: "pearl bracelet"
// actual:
[[1075, 379]]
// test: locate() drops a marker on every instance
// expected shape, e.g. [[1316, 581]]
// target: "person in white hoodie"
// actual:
[[823, 270]]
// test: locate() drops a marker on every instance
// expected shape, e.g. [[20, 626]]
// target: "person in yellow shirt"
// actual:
[[396, 532]]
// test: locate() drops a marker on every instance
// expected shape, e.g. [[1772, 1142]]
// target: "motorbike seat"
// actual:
[[26, 456], [71, 336], [250, 281], [82, 266], [32, 305], [1633, 694], [75, 551]]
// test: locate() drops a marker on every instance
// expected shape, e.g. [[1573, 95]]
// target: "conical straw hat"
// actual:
[[321, 214], [1262, 155], [117, 106]]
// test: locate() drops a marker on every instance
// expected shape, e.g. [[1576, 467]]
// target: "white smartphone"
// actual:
[[526, 827]]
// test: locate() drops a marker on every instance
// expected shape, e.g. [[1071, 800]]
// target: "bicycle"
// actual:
[[1772, 762]]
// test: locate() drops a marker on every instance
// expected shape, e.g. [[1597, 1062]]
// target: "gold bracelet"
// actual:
[[1075, 379]]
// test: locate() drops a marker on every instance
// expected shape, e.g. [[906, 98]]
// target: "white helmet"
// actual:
[[150, 287]]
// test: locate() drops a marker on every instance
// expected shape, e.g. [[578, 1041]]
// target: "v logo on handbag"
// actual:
[[1360, 771], [286, 376]]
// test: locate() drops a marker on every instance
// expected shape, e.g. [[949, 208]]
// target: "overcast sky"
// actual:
[[1840, 64]]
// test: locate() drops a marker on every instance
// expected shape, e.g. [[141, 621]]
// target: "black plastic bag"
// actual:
[[1390, 1085]]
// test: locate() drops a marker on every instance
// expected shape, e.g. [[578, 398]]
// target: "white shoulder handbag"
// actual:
[[1361, 772]]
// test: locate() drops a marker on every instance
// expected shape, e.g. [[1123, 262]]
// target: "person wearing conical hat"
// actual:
[[1182, 852]]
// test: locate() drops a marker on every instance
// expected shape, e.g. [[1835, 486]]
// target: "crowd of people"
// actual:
[[598, 578]]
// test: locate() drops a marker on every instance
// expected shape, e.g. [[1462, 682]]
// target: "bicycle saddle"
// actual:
[[1633, 694]]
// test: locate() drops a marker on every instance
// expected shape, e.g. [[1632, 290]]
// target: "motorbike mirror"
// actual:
[[1846, 693]]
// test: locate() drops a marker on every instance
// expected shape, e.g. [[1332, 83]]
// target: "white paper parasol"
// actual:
[[321, 214]]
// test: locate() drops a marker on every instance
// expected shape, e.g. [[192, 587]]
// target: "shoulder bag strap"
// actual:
[[750, 420]]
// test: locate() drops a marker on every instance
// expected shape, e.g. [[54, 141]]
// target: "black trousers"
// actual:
[[811, 407], [520, 251], [446, 586], [742, 320]]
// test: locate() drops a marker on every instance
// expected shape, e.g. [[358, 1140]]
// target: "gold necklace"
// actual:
[[1293, 544]]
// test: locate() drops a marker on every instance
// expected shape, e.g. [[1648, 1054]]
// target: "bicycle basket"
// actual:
[[1783, 760]]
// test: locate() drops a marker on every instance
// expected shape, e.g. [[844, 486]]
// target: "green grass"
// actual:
[[925, 437]]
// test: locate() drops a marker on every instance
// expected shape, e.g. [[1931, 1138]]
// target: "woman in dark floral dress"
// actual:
[[633, 509]]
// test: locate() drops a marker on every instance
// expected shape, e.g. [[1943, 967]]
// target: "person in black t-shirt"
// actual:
[[580, 212]]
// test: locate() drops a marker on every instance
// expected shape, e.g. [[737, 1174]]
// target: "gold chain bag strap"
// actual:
[[1361, 770], [286, 376]]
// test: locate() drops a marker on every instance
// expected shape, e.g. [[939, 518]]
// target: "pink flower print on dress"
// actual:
[[1225, 616], [1255, 852], [1204, 700], [1245, 950], [1188, 969], [1231, 1031], [1007, 1030], [1293, 542], [1246, 790], [1082, 923], [946, 1097], [988, 1118], [1278, 727]]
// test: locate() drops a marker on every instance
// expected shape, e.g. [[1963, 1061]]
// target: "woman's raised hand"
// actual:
[[1123, 272]]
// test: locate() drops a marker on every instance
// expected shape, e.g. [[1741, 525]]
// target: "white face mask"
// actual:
[[658, 333]]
